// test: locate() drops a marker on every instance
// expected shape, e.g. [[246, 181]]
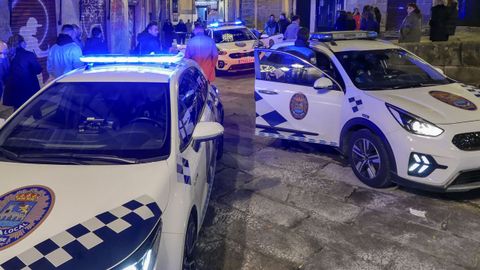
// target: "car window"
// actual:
[[192, 94], [388, 69], [325, 64], [233, 35], [285, 68], [125, 120]]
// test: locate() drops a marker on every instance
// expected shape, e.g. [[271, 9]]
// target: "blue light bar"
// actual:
[[343, 35], [116, 59], [321, 36], [238, 22], [214, 24]]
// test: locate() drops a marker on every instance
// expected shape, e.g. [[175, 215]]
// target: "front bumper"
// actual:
[[460, 170], [225, 63]]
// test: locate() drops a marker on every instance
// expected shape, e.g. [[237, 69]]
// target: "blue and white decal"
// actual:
[[98, 243], [356, 103], [183, 171], [22, 211]]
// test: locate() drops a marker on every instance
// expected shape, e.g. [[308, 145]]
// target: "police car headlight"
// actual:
[[413, 123], [144, 258]]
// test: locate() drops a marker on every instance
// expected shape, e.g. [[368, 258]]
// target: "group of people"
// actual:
[[368, 20], [272, 26]]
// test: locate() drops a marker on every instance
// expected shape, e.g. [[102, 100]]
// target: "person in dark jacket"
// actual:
[[302, 47], [181, 29], [438, 21], [148, 41], [368, 22], [378, 17], [351, 23], [452, 17], [342, 23], [168, 35], [4, 65], [95, 44], [283, 23], [22, 81], [271, 26], [411, 28]]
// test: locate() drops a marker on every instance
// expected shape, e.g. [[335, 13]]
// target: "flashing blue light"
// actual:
[[322, 36], [112, 59], [238, 22], [214, 24], [372, 35]]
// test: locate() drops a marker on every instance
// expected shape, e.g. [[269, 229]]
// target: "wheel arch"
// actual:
[[358, 123]]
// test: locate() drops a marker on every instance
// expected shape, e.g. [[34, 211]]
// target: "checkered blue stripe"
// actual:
[[472, 89], [183, 171], [292, 137], [265, 114], [98, 243], [356, 103]]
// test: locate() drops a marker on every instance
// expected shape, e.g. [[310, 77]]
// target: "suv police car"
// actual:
[[397, 118], [235, 44], [110, 167]]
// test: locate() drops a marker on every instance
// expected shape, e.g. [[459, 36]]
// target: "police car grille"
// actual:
[[241, 66], [467, 178], [240, 55], [467, 141]]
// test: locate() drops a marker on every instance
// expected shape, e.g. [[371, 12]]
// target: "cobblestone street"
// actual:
[[289, 205]]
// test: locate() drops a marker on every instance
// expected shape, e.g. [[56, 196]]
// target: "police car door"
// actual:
[[287, 104], [195, 159]]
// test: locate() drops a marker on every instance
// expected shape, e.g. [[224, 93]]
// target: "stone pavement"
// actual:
[[287, 205]]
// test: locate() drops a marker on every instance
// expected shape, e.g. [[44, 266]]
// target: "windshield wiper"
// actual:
[[86, 157]]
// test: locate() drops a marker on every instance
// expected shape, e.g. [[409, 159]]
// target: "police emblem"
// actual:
[[22, 211], [299, 106], [454, 100]]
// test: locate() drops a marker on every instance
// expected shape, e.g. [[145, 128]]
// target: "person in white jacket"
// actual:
[[65, 55]]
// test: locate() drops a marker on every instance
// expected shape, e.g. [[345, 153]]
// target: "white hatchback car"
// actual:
[[110, 167], [397, 118], [235, 43]]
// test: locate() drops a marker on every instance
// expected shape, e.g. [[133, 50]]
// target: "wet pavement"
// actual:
[[291, 205]]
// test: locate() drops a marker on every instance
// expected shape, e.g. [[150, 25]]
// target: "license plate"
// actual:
[[246, 60]]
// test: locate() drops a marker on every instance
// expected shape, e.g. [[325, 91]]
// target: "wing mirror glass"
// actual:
[[323, 83]]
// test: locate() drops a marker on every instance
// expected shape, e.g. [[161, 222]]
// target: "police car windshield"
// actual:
[[232, 35], [388, 69], [113, 120]]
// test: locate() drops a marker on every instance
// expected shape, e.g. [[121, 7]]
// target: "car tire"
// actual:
[[369, 159], [190, 244]]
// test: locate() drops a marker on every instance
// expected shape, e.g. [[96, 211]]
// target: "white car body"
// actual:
[[163, 197], [234, 56], [269, 41], [331, 117]]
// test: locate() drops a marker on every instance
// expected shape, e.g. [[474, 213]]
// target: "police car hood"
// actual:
[[442, 104], [101, 213], [240, 46]]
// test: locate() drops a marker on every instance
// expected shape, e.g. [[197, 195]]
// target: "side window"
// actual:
[[191, 100], [285, 68], [325, 64]]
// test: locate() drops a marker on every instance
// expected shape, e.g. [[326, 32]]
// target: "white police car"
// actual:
[[235, 44], [110, 167], [397, 118]]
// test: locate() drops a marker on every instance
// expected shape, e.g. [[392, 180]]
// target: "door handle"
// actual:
[[268, 92]]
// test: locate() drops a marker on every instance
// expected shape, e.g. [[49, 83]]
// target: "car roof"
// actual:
[[151, 73], [344, 45]]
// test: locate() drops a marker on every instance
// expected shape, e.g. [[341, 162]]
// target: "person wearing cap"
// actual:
[[4, 65], [22, 81], [65, 55], [203, 50]]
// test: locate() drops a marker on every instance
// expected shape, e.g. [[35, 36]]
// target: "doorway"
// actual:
[[202, 12], [326, 14], [303, 10], [396, 12]]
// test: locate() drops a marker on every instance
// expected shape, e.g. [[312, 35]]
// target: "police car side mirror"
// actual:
[[323, 83], [2, 122], [206, 131]]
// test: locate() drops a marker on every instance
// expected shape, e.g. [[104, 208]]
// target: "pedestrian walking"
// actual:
[[203, 50], [357, 17], [271, 26], [181, 30], [148, 42], [4, 66], [95, 44], [292, 29], [411, 28], [368, 22], [22, 81], [438, 21], [65, 55], [283, 23], [189, 25], [452, 6], [168, 35]]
